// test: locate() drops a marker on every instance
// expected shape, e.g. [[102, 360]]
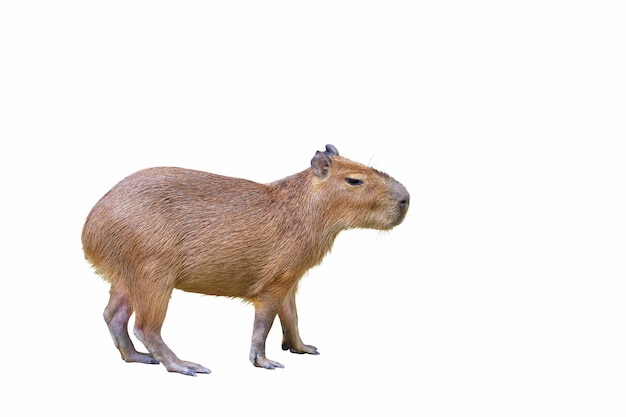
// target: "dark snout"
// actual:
[[402, 197]]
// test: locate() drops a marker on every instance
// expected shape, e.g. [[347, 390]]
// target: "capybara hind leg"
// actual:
[[149, 317], [116, 315], [164, 354], [288, 316], [264, 315]]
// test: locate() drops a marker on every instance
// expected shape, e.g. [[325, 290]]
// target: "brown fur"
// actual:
[[166, 228]]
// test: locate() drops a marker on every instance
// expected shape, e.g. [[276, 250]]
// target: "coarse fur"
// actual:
[[165, 228]]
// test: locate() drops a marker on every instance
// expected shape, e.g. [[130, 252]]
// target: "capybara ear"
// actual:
[[331, 150], [320, 164]]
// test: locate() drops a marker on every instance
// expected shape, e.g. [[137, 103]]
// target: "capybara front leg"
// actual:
[[289, 320], [264, 315], [116, 315]]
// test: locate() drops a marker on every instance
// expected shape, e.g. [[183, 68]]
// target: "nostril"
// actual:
[[404, 202]]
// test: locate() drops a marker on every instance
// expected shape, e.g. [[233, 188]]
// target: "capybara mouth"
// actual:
[[401, 215], [397, 219]]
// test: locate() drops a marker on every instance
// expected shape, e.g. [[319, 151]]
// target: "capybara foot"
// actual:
[[186, 368], [140, 358], [300, 349], [261, 361]]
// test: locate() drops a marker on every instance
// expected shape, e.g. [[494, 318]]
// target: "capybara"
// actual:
[[165, 228]]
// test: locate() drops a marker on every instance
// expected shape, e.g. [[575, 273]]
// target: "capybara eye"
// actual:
[[354, 181]]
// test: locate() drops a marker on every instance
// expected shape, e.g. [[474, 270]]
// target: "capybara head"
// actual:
[[359, 196]]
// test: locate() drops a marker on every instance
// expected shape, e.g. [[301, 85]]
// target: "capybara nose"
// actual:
[[403, 198], [404, 201]]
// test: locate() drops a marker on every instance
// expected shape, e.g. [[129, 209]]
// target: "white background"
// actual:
[[502, 293]]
